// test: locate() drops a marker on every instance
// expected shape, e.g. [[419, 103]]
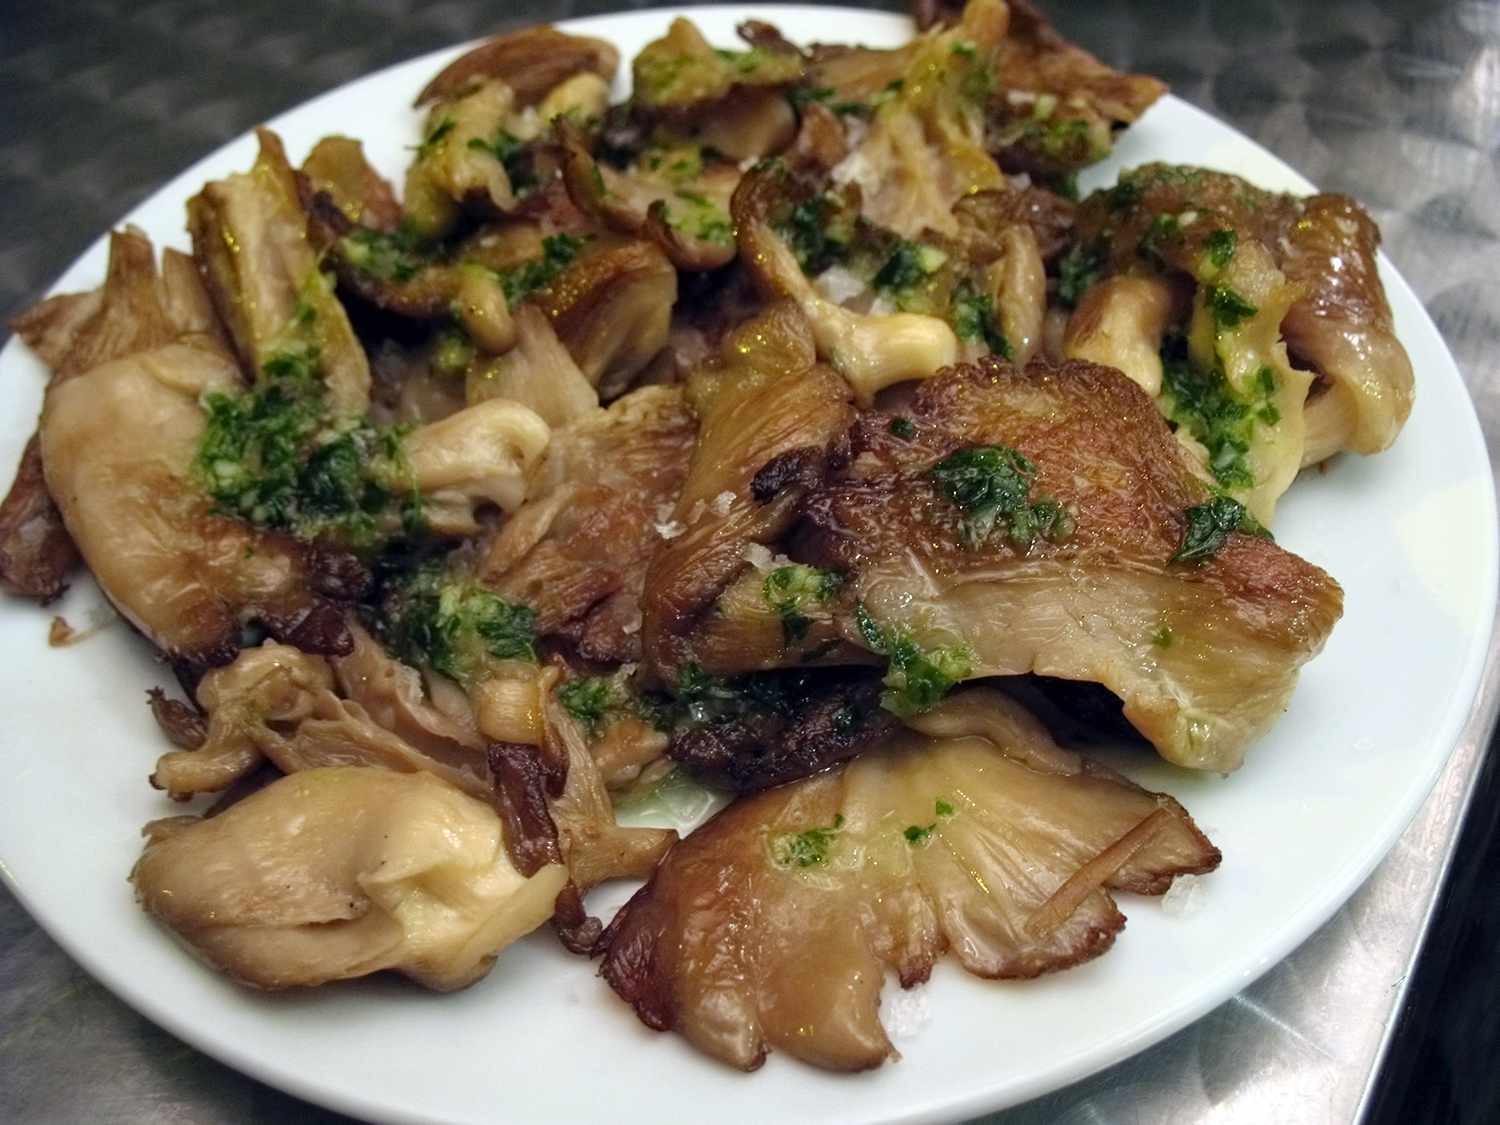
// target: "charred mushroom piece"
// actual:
[[479, 456], [611, 308], [577, 552], [768, 415], [671, 195], [531, 62], [337, 165], [1045, 521], [731, 101], [790, 725], [250, 238], [1056, 108], [338, 873], [773, 925], [458, 162], [119, 443], [36, 551]]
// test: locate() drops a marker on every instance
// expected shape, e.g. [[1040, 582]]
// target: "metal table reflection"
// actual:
[[1395, 103]]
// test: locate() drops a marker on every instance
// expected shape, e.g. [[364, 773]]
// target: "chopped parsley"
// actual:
[[991, 485], [917, 834], [1079, 269], [909, 266], [790, 589], [805, 849], [903, 427], [820, 232], [1215, 415], [454, 626], [396, 256], [277, 457], [916, 679], [433, 139], [973, 317], [1229, 309], [1221, 247], [1162, 638], [1208, 528], [590, 700], [558, 252], [698, 217], [1163, 228]]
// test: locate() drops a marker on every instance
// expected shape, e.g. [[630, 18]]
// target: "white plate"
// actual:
[[1410, 535]]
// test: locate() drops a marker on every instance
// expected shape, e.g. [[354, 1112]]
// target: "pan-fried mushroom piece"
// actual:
[[674, 195], [338, 873], [768, 414], [1056, 108], [577, 552], [250, 238], [460, 161], [751, 733], [1045, 521], [612, 308], [537, 372], [1181, 219], [1121, 323], [774, 924], [731, 101], [36, 551], [480, 455], [532, 62], [266, 688], [924, 149], [337, 165], [870, 351], [122, 449]]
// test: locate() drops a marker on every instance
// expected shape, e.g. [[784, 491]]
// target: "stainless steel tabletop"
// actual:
[[1395, 103]]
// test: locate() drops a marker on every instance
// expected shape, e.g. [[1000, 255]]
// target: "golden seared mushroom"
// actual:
[[122, 446], [36, 551], [1054, 107], [272, 686], [457, 162], [677, 195], [337, 165], [612, 308], [1282, 285], [1045, 521], [731, 101], [1121, 323], [768, 414], [250, 238], [773, 925], [577, 552], [871, 351], [339, 873], [533, 62], [537, 372], [1342, 329], [925, 146]]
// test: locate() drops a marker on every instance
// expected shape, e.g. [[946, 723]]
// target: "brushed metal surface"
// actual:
[[1396, 103]]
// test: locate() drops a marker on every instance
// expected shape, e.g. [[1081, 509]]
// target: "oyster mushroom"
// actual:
[[768, 413], [773, 925], [342, 872], [1074, 562], [532, 63], [250, 239], [118, 445]]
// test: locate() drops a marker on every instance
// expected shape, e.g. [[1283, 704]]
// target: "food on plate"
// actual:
[[774, 924], [779, 433]]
